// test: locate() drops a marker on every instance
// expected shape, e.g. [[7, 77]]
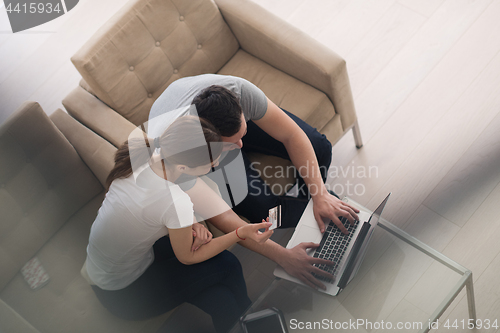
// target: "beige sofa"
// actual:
[[52, 173], [149, 44]]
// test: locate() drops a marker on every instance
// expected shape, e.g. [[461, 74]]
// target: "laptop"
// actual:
[[346, 251]]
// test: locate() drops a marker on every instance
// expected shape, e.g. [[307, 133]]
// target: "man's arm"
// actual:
[[302, 155]]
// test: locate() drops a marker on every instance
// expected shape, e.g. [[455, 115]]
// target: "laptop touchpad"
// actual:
[[308, 234]]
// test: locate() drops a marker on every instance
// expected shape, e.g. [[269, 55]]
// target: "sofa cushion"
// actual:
[[148, 45], [100, 118], [43, 182], [301, 99], [96, 152], [67, 303]]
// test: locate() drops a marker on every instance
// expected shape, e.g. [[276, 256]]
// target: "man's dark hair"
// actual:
[[221, 107]]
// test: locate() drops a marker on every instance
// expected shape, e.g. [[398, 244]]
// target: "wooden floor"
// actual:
[[425, 75]]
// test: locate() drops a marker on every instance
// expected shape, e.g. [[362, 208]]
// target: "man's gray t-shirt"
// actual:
[[180, 94]]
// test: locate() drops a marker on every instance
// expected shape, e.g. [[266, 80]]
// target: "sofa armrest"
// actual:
[[11, 321], [96, 152], [99, 117], [285, 47]]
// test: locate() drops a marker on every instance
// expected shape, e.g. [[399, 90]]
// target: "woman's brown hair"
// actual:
[[180, 134]]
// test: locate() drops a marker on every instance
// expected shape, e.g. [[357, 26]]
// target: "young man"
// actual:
[[246, 118]]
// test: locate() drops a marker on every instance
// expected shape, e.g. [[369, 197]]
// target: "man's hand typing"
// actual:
[[298, 264], [332, 208]]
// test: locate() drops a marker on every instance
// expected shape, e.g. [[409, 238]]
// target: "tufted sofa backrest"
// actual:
[[43, 182], [149, 44]]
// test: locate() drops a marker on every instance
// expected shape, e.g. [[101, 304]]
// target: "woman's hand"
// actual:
[[252, 232], [201, 236]]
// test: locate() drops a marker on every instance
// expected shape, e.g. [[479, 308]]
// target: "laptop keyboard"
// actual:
[[333, 246]]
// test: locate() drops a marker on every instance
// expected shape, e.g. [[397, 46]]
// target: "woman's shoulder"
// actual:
[[179, 196]]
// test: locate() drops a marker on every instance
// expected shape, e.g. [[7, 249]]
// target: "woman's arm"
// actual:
[[201, 236], [182, 241], [207, 203], [295, 260]]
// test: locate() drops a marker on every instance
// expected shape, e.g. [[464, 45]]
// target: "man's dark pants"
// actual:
[[260, 199]]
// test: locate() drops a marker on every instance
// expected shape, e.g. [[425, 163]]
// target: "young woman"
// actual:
[[136, 270]]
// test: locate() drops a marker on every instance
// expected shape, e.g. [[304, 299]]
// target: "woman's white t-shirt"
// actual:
[[133, 216]]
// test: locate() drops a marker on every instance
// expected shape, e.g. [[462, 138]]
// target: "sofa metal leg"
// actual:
[[357, 135]]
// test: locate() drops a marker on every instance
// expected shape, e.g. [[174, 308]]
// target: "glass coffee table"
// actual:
[[402, 285]]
